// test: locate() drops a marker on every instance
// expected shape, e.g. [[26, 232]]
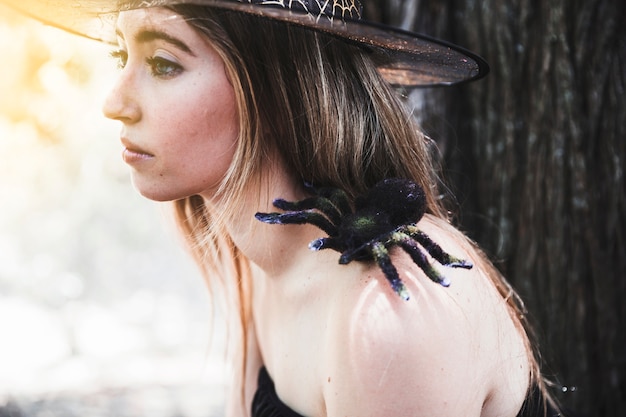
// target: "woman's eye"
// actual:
[[120, 56], [161, 67]]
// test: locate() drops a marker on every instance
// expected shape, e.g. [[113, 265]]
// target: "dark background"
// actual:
[[535, 154]]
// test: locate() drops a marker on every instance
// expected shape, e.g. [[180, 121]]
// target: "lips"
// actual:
[[133, 154], [134, 148]]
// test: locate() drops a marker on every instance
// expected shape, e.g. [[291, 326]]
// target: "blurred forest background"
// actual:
[[535, 154], [99, 310]]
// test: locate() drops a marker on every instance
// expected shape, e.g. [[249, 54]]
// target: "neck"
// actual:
[[275, 249]]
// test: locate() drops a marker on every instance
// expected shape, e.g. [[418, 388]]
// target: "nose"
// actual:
[[122, 101]]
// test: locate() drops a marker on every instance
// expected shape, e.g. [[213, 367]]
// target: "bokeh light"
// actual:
[[99, 307]]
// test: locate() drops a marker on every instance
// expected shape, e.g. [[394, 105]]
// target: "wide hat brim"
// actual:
[[406, 59]]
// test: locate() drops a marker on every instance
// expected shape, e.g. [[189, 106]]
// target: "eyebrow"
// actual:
[[149, 35]]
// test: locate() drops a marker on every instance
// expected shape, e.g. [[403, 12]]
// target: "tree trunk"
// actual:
[[535, 154]]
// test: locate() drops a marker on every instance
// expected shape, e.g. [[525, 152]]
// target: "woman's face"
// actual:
[[176, 105]]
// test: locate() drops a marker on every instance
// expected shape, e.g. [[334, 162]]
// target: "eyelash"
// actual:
[[155, 64]]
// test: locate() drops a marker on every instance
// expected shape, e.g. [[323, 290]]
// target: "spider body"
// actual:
[[386, 216]]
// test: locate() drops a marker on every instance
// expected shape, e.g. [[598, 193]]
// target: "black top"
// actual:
[[267, 404]]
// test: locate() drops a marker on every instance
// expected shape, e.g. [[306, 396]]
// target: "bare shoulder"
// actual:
[[442, 352]]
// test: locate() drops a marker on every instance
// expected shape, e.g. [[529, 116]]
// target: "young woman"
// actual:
[[224, 107]]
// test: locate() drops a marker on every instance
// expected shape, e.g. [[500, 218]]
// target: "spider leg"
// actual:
[[352, 254], [434, 249], [379, 253], [381, 256], [411, 247], [323, 204], [326, 243], [299, 217], [339, 199]]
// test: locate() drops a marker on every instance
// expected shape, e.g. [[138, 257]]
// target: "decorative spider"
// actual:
[[384, 217]]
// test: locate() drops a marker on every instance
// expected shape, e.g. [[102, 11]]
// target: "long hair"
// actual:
[[322, 106]]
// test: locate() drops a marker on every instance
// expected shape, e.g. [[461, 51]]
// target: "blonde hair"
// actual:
[[321, 104]]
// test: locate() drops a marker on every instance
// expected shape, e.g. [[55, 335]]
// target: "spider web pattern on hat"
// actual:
[[403, 58]]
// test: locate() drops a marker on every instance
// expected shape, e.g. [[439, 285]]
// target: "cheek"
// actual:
[[207, 134]]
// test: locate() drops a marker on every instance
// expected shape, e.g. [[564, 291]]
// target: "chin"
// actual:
[[162, 191], [159, 194], [156, 196]]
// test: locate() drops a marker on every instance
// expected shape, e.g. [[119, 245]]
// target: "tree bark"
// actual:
[[535, 154]]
